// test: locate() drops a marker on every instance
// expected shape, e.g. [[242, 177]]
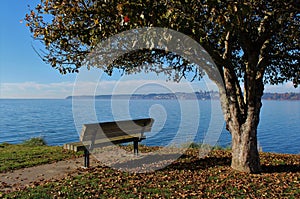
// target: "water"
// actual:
[[176, 122]]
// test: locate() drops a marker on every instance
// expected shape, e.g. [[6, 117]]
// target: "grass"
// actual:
[[189, 176], [30, 153], [195, 145]]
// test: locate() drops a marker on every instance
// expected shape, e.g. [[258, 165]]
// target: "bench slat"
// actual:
[[115, 129], [74, 146], [99, 134], [114, 140]]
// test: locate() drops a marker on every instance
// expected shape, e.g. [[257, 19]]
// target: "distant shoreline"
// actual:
[[212, 95], [291, 96]]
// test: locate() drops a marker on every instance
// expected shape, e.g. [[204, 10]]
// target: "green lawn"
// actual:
[[28, 155]]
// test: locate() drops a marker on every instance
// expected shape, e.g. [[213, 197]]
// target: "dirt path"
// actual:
[[19, 179]]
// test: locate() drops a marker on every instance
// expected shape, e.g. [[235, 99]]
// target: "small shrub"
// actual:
[[4, 144], [194, 145], [218, 147], [38, 141]]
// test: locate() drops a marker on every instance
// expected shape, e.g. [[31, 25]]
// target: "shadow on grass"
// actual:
[[280, 168], [199, 164], [168, 162], [171, 162]]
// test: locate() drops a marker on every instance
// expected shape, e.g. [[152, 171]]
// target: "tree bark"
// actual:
[[245, 157]]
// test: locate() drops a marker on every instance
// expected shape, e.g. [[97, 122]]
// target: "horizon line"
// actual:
[[55, 98]]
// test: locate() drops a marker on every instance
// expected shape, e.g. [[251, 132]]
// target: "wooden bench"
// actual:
[[104, 134]]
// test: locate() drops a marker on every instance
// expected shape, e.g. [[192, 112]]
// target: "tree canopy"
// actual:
[[230, 31]]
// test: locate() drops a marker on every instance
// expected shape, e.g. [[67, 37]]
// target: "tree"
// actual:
[[251, 42]]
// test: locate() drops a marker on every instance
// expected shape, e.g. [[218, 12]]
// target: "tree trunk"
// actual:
[[245, 157], [242, 119]]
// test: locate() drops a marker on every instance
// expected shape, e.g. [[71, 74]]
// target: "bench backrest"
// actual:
[[100, 133]]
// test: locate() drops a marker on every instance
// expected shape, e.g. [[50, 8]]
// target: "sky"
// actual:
[[24, 75]]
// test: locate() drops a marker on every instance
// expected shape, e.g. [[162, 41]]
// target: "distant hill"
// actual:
[[156, 96], [203, 95], [281, 96]]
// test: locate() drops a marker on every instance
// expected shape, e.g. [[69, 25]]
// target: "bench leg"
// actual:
[[136, 147], [86, 158]]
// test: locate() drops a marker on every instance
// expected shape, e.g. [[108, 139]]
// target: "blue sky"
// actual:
[[19, 62], [24, 75]]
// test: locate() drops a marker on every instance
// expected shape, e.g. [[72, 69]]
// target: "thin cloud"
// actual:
[[63, 89], [134, 87], [283, 88], [31, 90], [35, 90]]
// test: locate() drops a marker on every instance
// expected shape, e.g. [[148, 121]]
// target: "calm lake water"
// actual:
[[176, 122]]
